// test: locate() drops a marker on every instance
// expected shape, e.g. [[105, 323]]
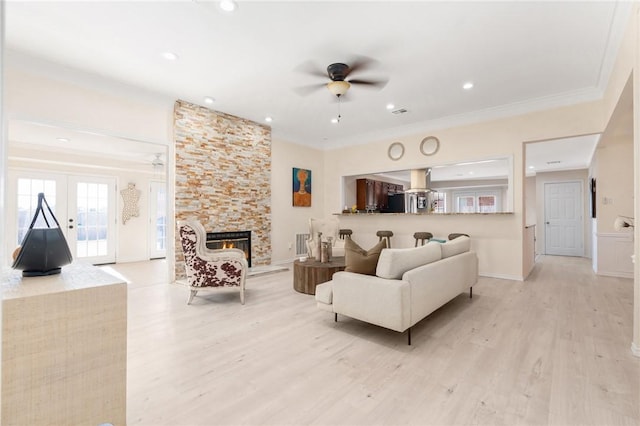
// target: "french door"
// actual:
[[157, 219], [83, 205]]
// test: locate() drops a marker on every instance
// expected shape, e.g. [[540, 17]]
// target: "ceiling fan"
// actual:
[[338, 73], [157, 162]]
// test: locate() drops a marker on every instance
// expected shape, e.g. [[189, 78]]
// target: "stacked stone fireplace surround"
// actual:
[[223, 176]]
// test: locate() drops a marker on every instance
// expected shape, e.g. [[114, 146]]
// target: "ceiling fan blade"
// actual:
[[379, 83], [307, 90], [311, 68], [360, 63]]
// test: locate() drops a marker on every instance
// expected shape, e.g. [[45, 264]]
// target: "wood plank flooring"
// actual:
[[554, 350]]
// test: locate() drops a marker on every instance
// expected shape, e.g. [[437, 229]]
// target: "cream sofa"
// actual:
[[409, 284]]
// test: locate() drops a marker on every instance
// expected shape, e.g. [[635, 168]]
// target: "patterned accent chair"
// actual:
[[207, 268]]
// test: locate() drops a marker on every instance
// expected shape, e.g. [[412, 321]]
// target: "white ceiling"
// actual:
[[521, 56]]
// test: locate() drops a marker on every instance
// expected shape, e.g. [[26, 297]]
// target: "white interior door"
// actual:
[[564, 230], [91, 219]]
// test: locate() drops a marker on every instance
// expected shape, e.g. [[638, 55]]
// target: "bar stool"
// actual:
[[423, 236], [345, 233], [386, 235], [456, 235]]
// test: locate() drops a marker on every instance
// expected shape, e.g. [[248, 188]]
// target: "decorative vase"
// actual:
[[324, 253]]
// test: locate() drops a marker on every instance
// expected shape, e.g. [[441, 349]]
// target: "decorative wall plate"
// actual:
[[429, 145], [396, 151]]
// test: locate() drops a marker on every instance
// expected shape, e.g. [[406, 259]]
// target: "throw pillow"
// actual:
[[359, 260]]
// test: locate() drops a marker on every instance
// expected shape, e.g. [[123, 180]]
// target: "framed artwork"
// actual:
[[301, 187]]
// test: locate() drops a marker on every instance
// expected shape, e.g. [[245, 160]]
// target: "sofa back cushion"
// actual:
[[456, 246], [359, 260], [394, 263]]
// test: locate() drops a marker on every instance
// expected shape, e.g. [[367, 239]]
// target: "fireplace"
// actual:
[[240, 240]]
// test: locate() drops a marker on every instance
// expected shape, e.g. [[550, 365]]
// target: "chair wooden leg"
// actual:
[[409, 336], [242, 296], [335, 318], [470, 292], [191, 296]]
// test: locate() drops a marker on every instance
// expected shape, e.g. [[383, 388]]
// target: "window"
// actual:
[[480, 201]]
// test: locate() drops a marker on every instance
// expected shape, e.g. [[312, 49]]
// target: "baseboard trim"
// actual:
[[615, 274], [635, 349], [502, 277]]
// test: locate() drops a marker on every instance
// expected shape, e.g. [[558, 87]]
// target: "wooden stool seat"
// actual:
[[423, 237], [456, 235], [386, 235]]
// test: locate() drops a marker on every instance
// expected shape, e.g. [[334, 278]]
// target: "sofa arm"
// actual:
[[372, 299]]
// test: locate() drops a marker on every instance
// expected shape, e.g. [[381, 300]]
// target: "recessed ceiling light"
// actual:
[[334, 120], [63, 140], [170, 56], [228, 5], [209, 100], [467, 86], [390, 106], [268, 119]]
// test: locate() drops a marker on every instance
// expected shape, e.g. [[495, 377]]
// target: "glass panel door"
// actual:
[[91, 221], [157, 220], [24, 188]]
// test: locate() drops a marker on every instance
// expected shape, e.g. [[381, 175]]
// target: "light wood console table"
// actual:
[[64, 348]]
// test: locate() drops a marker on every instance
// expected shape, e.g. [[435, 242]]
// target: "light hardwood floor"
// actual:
[[552, 350]]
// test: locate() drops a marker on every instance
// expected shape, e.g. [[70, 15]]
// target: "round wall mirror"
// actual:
[[396, 151], [429, 145]]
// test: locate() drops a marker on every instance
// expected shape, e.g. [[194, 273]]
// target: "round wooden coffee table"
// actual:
[[307, 275]]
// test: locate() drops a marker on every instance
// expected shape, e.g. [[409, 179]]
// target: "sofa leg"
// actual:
[[470, 292], [409, 336], [335, 317]]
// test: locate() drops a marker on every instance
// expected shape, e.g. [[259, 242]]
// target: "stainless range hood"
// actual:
[[420, 180]]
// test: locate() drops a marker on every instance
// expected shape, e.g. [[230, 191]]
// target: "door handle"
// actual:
[[547, 223]]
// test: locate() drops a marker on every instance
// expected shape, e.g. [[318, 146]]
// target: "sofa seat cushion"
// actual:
[[456, 246], [361, 261], [324, 293], [393, 263]]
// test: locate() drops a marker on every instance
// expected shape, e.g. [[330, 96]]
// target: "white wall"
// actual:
[[530, 200], [499, 239], [105, 109], [286, 220]]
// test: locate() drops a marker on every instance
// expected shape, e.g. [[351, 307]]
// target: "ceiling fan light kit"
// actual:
[[338, 88]]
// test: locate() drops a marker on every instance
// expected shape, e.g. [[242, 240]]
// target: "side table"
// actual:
[[307, 275]]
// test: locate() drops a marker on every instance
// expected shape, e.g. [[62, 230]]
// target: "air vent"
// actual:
[[554, 162], [399, 111]]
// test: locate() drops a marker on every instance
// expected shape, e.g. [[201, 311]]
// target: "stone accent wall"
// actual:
[[223, 176]]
